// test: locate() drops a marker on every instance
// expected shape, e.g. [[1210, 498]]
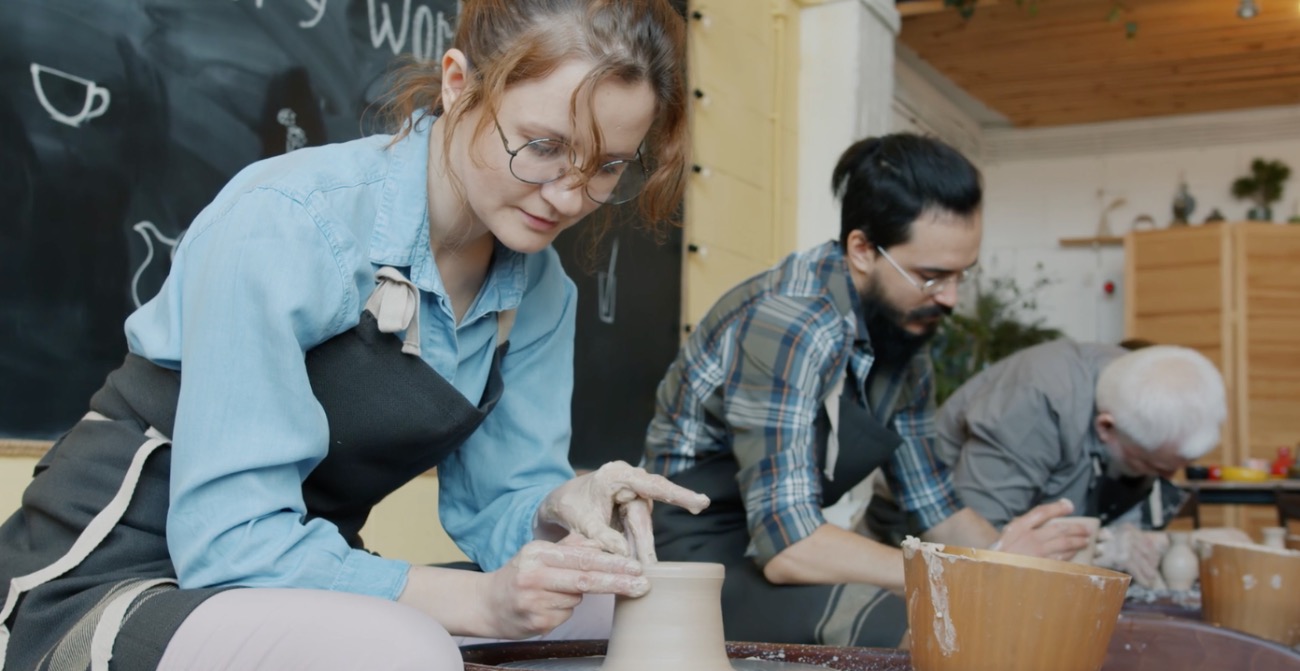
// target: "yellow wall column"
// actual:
[[743, 60]]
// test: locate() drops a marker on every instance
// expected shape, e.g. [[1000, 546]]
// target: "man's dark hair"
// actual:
[[885, 183]]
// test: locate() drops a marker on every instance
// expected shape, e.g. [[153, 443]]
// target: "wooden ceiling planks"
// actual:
[[1067, 64]]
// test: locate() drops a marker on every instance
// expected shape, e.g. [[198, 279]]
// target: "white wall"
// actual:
[[846, 77], [1042, 185], [1040, 191]]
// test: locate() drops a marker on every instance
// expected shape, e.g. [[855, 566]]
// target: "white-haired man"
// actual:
[[1096, 424]]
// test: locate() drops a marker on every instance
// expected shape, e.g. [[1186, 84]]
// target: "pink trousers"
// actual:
[[286, 629]]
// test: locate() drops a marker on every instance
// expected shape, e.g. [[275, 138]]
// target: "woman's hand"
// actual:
[[585, 505], [537, 590]]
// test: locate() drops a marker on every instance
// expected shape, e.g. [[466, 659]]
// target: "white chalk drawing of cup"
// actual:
[[94, 102]]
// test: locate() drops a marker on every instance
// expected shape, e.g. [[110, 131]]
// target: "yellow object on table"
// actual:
[[1243, 474]]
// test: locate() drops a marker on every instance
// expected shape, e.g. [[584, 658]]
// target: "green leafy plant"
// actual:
[[1263, 186], [991, 326]]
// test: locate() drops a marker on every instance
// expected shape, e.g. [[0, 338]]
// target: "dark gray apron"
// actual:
[[391, 417], [754, 609]]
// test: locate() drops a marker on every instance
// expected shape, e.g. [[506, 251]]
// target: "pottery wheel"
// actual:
[[593, 664]]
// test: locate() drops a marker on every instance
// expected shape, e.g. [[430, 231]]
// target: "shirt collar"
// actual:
[[401, 232], [845, 295]]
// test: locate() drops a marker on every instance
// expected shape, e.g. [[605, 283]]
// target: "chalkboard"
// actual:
[[121, 119]]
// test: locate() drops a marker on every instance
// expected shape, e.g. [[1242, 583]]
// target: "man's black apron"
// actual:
[[1112, 495], [391, 417], [754, 609]]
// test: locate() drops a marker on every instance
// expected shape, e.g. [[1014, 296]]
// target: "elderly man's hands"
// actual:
[[586, 505], [1134, 551]]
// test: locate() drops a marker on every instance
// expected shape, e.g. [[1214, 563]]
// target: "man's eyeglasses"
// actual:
[[934, 286], [543, 161]]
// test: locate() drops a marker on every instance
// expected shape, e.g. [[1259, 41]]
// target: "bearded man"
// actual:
[[802, 381]]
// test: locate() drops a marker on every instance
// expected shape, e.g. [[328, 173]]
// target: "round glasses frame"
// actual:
[[631, 173], [934, 286]]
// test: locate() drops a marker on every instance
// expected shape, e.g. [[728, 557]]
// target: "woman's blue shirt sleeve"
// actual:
[[256, 282]]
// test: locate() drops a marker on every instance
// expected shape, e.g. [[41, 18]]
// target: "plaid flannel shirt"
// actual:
[[751, 380]]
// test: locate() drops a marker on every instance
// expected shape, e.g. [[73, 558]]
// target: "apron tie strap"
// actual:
[[94, 533], [110, 621], [395, 303], [505, 322], [833, 440]]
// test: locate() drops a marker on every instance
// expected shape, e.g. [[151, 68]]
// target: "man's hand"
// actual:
[[585, 505], [1030, 534], [1134, 551]]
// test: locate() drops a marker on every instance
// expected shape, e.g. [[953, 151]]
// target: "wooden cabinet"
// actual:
[[743, 64], [1231, 291]]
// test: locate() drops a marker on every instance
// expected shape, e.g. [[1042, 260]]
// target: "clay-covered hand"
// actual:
[[585, 505], [537, 590], [1136, 552], [638, 530], [1030, 534]]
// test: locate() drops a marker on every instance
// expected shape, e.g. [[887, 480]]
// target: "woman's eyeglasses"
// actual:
[[543, 161]]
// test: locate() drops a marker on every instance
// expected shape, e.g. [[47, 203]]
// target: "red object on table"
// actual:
[[1216, 472], [1282, 463]]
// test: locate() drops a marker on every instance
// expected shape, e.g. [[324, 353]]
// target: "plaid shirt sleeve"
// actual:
[[788, 351], [923, 484]]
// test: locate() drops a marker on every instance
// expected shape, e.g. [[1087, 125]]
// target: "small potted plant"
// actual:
[[1263, 186], [997, 321]]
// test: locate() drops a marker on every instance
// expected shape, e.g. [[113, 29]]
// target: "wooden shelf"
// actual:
[[13, 447], [1105, 241]]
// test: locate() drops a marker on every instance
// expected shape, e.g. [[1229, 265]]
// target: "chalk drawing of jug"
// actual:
[[150, 233]]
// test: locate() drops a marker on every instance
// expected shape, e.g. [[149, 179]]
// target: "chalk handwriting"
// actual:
[[318, 5], [430, 32]]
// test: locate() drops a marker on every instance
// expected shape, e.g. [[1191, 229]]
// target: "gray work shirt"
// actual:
[[1021, 432]]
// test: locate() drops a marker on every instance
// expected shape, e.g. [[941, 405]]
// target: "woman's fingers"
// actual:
[[576, 569], [631, 482], [579, 557], [639, 529], [570, 581]]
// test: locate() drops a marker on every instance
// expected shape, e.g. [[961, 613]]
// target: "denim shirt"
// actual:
[[282, 260]]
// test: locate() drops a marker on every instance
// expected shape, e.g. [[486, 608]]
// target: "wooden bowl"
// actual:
[[1252, 588], [979, 610]]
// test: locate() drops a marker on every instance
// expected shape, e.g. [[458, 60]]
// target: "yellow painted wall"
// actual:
[[743, 57], [403, 526], [14, 474]]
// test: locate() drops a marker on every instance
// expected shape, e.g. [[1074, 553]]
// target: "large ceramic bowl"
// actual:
[[979, 610], [1252, 588]]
